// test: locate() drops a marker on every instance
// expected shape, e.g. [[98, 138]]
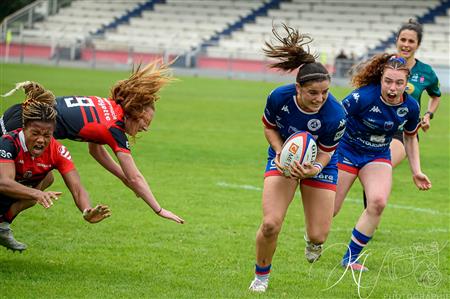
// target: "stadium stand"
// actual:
[[215, 32]]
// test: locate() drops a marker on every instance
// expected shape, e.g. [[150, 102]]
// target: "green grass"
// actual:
[[205, 143]]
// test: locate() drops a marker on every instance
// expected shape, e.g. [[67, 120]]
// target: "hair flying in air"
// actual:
[[371, 71], [293, 52], [141, 89]]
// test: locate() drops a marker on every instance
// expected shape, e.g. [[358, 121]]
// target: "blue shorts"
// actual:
[[326, 179], [351, 160]]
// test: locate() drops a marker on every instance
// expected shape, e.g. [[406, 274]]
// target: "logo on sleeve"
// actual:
[[356, 96], [64, 152], [285, 109], [127, 144]]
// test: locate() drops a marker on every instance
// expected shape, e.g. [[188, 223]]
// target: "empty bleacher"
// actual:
[[353, 25]]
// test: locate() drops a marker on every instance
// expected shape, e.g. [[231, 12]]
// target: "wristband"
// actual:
[[431, 114], [318, 165], [160, 209]]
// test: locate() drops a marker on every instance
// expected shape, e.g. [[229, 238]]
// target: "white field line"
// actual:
[[352, 200]]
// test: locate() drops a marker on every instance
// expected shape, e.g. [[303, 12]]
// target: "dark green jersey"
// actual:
[[422, 77]]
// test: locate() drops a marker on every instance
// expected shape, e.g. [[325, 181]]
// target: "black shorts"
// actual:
[[399, 136], [5, 203], [11, 119]]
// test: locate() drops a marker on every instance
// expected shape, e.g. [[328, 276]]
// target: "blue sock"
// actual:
[[262, 273], [356, 245]]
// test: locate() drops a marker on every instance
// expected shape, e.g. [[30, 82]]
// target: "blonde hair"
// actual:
[[39, 103], [141, 89]]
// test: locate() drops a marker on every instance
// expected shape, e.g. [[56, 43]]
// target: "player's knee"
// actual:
[[270, 228], [376, 205]]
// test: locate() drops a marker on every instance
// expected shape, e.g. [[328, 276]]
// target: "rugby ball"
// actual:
[[300, 147]]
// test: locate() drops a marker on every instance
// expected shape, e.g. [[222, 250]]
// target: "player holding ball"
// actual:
[[308, 106]]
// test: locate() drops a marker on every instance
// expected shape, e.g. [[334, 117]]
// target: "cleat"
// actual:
[[355, 266], [7, 240], [312, 251], [258, 285]]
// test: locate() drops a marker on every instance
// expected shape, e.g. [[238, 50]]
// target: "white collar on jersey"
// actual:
[[22, 141]]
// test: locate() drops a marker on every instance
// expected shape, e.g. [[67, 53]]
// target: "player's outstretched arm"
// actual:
[[102, 156], [412, 151], [81, 198], [140, 186], [10, 187]]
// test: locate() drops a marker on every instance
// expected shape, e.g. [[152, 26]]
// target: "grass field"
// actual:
[[204, 158]]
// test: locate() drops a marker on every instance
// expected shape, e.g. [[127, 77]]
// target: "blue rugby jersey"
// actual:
[[371, 122], [283, 114]]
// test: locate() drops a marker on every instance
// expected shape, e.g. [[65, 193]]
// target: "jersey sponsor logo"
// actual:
[[356, 96], [422, 79], [279, 125], [409, 88], [79, 102], [370, 123], [43, 165], [375, 109], [314, 124], [5, 154], [388, 125], [402, 111], [325, 177], [378, 138], [414, 78], [372, 144], [105, 110], [64, 152]]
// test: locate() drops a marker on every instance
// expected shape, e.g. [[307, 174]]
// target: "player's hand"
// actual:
[[46, 198], [425, 123], [300, 172], [97, 214], [169, 215], [276, 160], [422, 181]]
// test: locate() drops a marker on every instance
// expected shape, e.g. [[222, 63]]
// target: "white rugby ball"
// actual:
[[300, 147]]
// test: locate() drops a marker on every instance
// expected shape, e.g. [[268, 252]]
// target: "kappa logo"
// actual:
[[375, 109], [285, 109], [341, 123], [356, 96]]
